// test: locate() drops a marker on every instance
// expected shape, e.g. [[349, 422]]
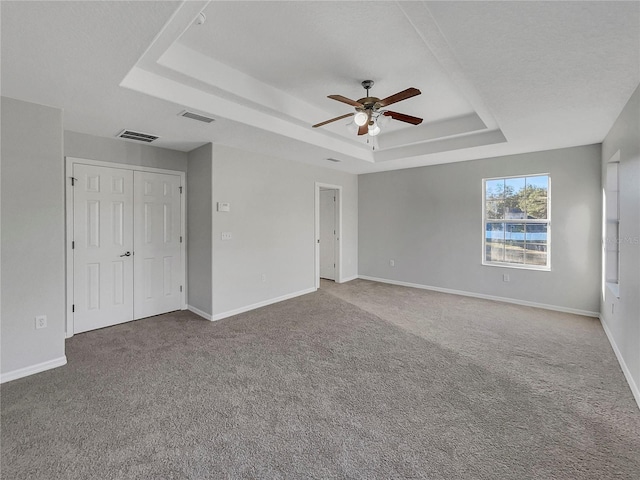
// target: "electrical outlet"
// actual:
[[264, 277], [505, 277], [226, 236], [392, 263], [41, 322]]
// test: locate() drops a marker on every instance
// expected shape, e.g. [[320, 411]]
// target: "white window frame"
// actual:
[[611, 225], [547, 221]]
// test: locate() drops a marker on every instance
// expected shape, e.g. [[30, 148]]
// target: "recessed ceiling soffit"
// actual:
[[173, 70]]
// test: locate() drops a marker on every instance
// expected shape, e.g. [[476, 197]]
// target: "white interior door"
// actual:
[[328, 234], [157, 233], [102, 236]]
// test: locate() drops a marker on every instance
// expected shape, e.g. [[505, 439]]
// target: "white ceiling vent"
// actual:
[[140, 137], [196, 116]]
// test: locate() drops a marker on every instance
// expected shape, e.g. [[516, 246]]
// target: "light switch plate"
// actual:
[[224, 207], [226, 236]]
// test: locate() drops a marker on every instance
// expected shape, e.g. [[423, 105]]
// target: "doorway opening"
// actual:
[[328, 246]]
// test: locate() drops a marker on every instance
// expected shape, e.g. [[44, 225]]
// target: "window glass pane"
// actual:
[[535, 197], [494, 242], [541, 181], [494, 189], [514, 243], [536, 206], [510, 204], [494, 209], [513, 195], [536, 244]]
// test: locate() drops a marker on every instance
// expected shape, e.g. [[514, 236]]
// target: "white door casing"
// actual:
[[157, 236], [103, 234], [328, 234]]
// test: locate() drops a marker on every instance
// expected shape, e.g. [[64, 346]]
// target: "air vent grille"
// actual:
[[140, 137], [196, 116]]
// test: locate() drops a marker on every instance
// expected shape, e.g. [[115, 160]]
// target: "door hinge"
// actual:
[[334, 198], [73, 308], [180, 187], [180, 239], [180, 287], [73, 244], [73, 181]]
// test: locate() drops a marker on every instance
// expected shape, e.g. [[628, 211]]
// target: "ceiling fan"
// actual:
[[369, 109]]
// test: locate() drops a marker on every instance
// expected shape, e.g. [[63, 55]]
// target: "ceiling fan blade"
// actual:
[[334, 119], [363, 129], [403, 95], [346, 100], [403, 117]]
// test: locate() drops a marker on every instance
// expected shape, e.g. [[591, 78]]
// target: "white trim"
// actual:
[[125, 166], [338, 188], [199, 312], [525, 303], [264, 303], [69, 163], [348, 279], [68, 173], [33, 369], [627, 373], [213, 232]]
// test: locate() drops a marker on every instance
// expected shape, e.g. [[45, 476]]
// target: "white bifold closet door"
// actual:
[[102, 236], [127, 261], [157, 259]]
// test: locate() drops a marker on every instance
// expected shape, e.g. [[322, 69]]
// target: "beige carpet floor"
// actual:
[[360, 380]]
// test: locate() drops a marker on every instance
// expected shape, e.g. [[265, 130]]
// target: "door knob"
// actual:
[[128, 254]]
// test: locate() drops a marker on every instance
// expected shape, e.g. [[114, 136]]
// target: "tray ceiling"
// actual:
[[496, 77]]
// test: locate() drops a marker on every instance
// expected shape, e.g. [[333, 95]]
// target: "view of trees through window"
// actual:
[[516, 219]]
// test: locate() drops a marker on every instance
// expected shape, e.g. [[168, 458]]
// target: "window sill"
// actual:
[[614, 288], [535, 268]]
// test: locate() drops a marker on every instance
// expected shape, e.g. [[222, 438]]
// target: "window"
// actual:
[[516, 221], [612, 225]]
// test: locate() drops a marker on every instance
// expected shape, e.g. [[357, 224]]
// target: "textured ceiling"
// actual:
[[324, 51], [497, 77]]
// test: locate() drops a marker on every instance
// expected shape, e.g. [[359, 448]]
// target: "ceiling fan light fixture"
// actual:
[[383, 120], [374, 129], [369, 109], [361, 118]]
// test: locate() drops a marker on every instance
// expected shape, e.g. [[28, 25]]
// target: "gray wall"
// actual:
[[32, 235], [272, 220], [429, 220], [623, 324], [199, 213], [116, 150]]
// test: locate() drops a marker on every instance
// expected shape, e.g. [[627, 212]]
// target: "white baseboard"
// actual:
[[348, 279], [627, 373], [199, 312], [483, 296], [33, 369], [264, 303]]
